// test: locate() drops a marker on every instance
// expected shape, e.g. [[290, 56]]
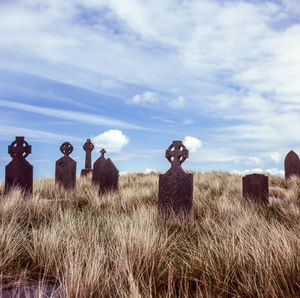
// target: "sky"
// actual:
[[222, 76]]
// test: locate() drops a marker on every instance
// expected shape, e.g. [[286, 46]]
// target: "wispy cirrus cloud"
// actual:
[[8, 133], [70, 115]]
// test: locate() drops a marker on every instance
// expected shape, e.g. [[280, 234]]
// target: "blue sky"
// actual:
[[222, 76]]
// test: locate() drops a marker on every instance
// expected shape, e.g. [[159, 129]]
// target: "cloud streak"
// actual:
[[8, 133], [70, 115]]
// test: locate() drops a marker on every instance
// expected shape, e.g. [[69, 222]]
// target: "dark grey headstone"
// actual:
[[175, 194], [105, 174], [65, 168], [256, 188], [291, 165], [19, 172], [88, 148]]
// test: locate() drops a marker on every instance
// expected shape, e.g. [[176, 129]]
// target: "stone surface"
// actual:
[[175, 193], [105, 174], [65, 168], [291, 165], [19, 172], [88, 148], [256, 188]]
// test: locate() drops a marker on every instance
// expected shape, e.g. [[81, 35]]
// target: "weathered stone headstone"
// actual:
[[256, 188], [19, 172], [291, 165], [175, 192], [105, 174], [88, 148], [65, 169]]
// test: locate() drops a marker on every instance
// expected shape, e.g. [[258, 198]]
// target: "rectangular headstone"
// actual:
[[65, 168], [19, 172], [291, 165], [175, 193], [256, 188], [105, 174]]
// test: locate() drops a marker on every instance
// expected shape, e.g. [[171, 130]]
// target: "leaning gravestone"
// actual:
[[175, 192], [88, 148], [256, 188], [105, 174], [291, 165], [65, 168], [19, 172]]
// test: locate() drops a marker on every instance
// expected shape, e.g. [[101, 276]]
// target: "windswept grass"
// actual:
[[117, 245]]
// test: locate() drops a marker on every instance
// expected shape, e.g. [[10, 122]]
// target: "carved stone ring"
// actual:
[[88, 146], [66, 148], [177, 153], [19, 148]]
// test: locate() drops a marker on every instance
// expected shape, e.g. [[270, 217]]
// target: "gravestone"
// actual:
[[291, 165], [256, 188], [19, 172], [175, 192], [105, 174], [88, 148], [65, 168]]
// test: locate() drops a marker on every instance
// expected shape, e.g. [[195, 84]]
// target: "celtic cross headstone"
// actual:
[[175, 193], [19, 172], [88, 147], [256, 188], [105, 174], [65, 168], [291, 165]]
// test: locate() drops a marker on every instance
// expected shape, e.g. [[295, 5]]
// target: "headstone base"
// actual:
[[19, 173], [86, 172], [65, 172], [175, 194], [256, 188]]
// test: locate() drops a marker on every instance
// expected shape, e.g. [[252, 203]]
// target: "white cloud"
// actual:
[[275, 156], [148, 171], [188, 121], [273, 171], [192, 143], [253, 160], [177, 103], [112, 140], [146, 97]]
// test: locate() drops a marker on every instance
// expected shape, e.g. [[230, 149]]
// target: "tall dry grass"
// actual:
[[117, 245]]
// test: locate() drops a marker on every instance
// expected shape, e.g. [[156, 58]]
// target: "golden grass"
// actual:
[[117, 245]]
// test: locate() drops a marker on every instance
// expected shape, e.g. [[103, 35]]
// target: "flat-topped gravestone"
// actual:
[[256, 188], [175, 194], [19, 172], [105, 174], [88, 148], [65, 168], [291, 165]]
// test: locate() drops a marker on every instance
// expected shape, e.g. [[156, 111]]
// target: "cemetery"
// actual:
[[173, 234]]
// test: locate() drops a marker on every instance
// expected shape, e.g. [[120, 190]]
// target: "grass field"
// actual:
[[117, 245]]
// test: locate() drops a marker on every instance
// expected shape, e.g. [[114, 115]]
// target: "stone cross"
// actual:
[[19, 172], [256, 188], [105, 174], [175, 193], [291, 165], [65, 168], [88, 148]]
